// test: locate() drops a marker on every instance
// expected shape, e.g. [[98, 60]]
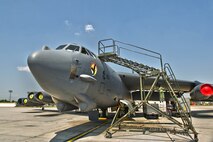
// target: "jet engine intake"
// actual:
[[44, 98]]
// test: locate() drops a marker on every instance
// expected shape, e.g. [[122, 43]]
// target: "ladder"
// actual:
[[186, 119], [109, 51]]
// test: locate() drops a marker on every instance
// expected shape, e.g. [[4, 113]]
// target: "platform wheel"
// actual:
[[108, 135], [195, 138], [119, 127]]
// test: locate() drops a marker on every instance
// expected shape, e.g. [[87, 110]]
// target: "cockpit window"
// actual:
[[83, 50], [87, 52], [60, 47], [73, 48]]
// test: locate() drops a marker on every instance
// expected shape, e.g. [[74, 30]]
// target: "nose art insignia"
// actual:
[[93, 68]]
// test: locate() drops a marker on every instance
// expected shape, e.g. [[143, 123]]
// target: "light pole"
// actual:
[[10, 91]]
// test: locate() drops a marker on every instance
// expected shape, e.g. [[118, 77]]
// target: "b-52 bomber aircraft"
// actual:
[[76, 78]]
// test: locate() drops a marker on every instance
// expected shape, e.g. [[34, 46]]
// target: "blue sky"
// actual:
[[180, 30]]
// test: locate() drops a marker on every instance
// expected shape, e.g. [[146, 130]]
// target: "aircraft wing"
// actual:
[[198, 91], [132, 82]]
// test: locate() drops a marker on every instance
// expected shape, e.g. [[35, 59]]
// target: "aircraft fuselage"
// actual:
[[78, 78]]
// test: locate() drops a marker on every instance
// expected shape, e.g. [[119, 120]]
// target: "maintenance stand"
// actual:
[[109, 50]]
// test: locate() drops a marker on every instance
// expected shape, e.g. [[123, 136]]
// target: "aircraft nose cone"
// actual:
[[39, 65], [48, 67], [37, 57], [33, 59]]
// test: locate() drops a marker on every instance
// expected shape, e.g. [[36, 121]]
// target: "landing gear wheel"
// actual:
[[104, 113]]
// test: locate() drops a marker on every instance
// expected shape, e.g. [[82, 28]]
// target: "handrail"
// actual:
[[160, 56], [168, 68], [104, 47], [139, 52]]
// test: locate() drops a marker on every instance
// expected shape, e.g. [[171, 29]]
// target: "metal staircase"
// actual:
[[114, 57], [109, 51], [137, 67]]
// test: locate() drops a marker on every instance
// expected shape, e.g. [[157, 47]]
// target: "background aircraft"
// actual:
[[27, 102], [41, 97], [35, 99], [76, 78]]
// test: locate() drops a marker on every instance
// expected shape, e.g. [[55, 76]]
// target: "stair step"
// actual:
[[135, 66]]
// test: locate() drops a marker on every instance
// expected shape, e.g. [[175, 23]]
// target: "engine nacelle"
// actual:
[[202, 92], [44, 98], [27, 102], [31, 98], [20, 101]]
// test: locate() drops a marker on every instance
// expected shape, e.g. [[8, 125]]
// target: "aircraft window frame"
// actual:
[[76, 48], [60, 47], [86, 52], [91, 54]]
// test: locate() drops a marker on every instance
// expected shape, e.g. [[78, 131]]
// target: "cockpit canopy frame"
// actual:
[[76, 48]]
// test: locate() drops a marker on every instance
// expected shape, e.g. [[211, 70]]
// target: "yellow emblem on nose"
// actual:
[[93, 68]]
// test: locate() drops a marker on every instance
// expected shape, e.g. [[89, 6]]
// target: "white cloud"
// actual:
[[23, 69], [77, 34], [89, 28], [67, 23]]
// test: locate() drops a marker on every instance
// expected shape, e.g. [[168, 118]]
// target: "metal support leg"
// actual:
[[141, 88], [152, 87]]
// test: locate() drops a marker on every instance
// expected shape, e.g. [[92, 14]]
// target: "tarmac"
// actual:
[[27, 124]]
